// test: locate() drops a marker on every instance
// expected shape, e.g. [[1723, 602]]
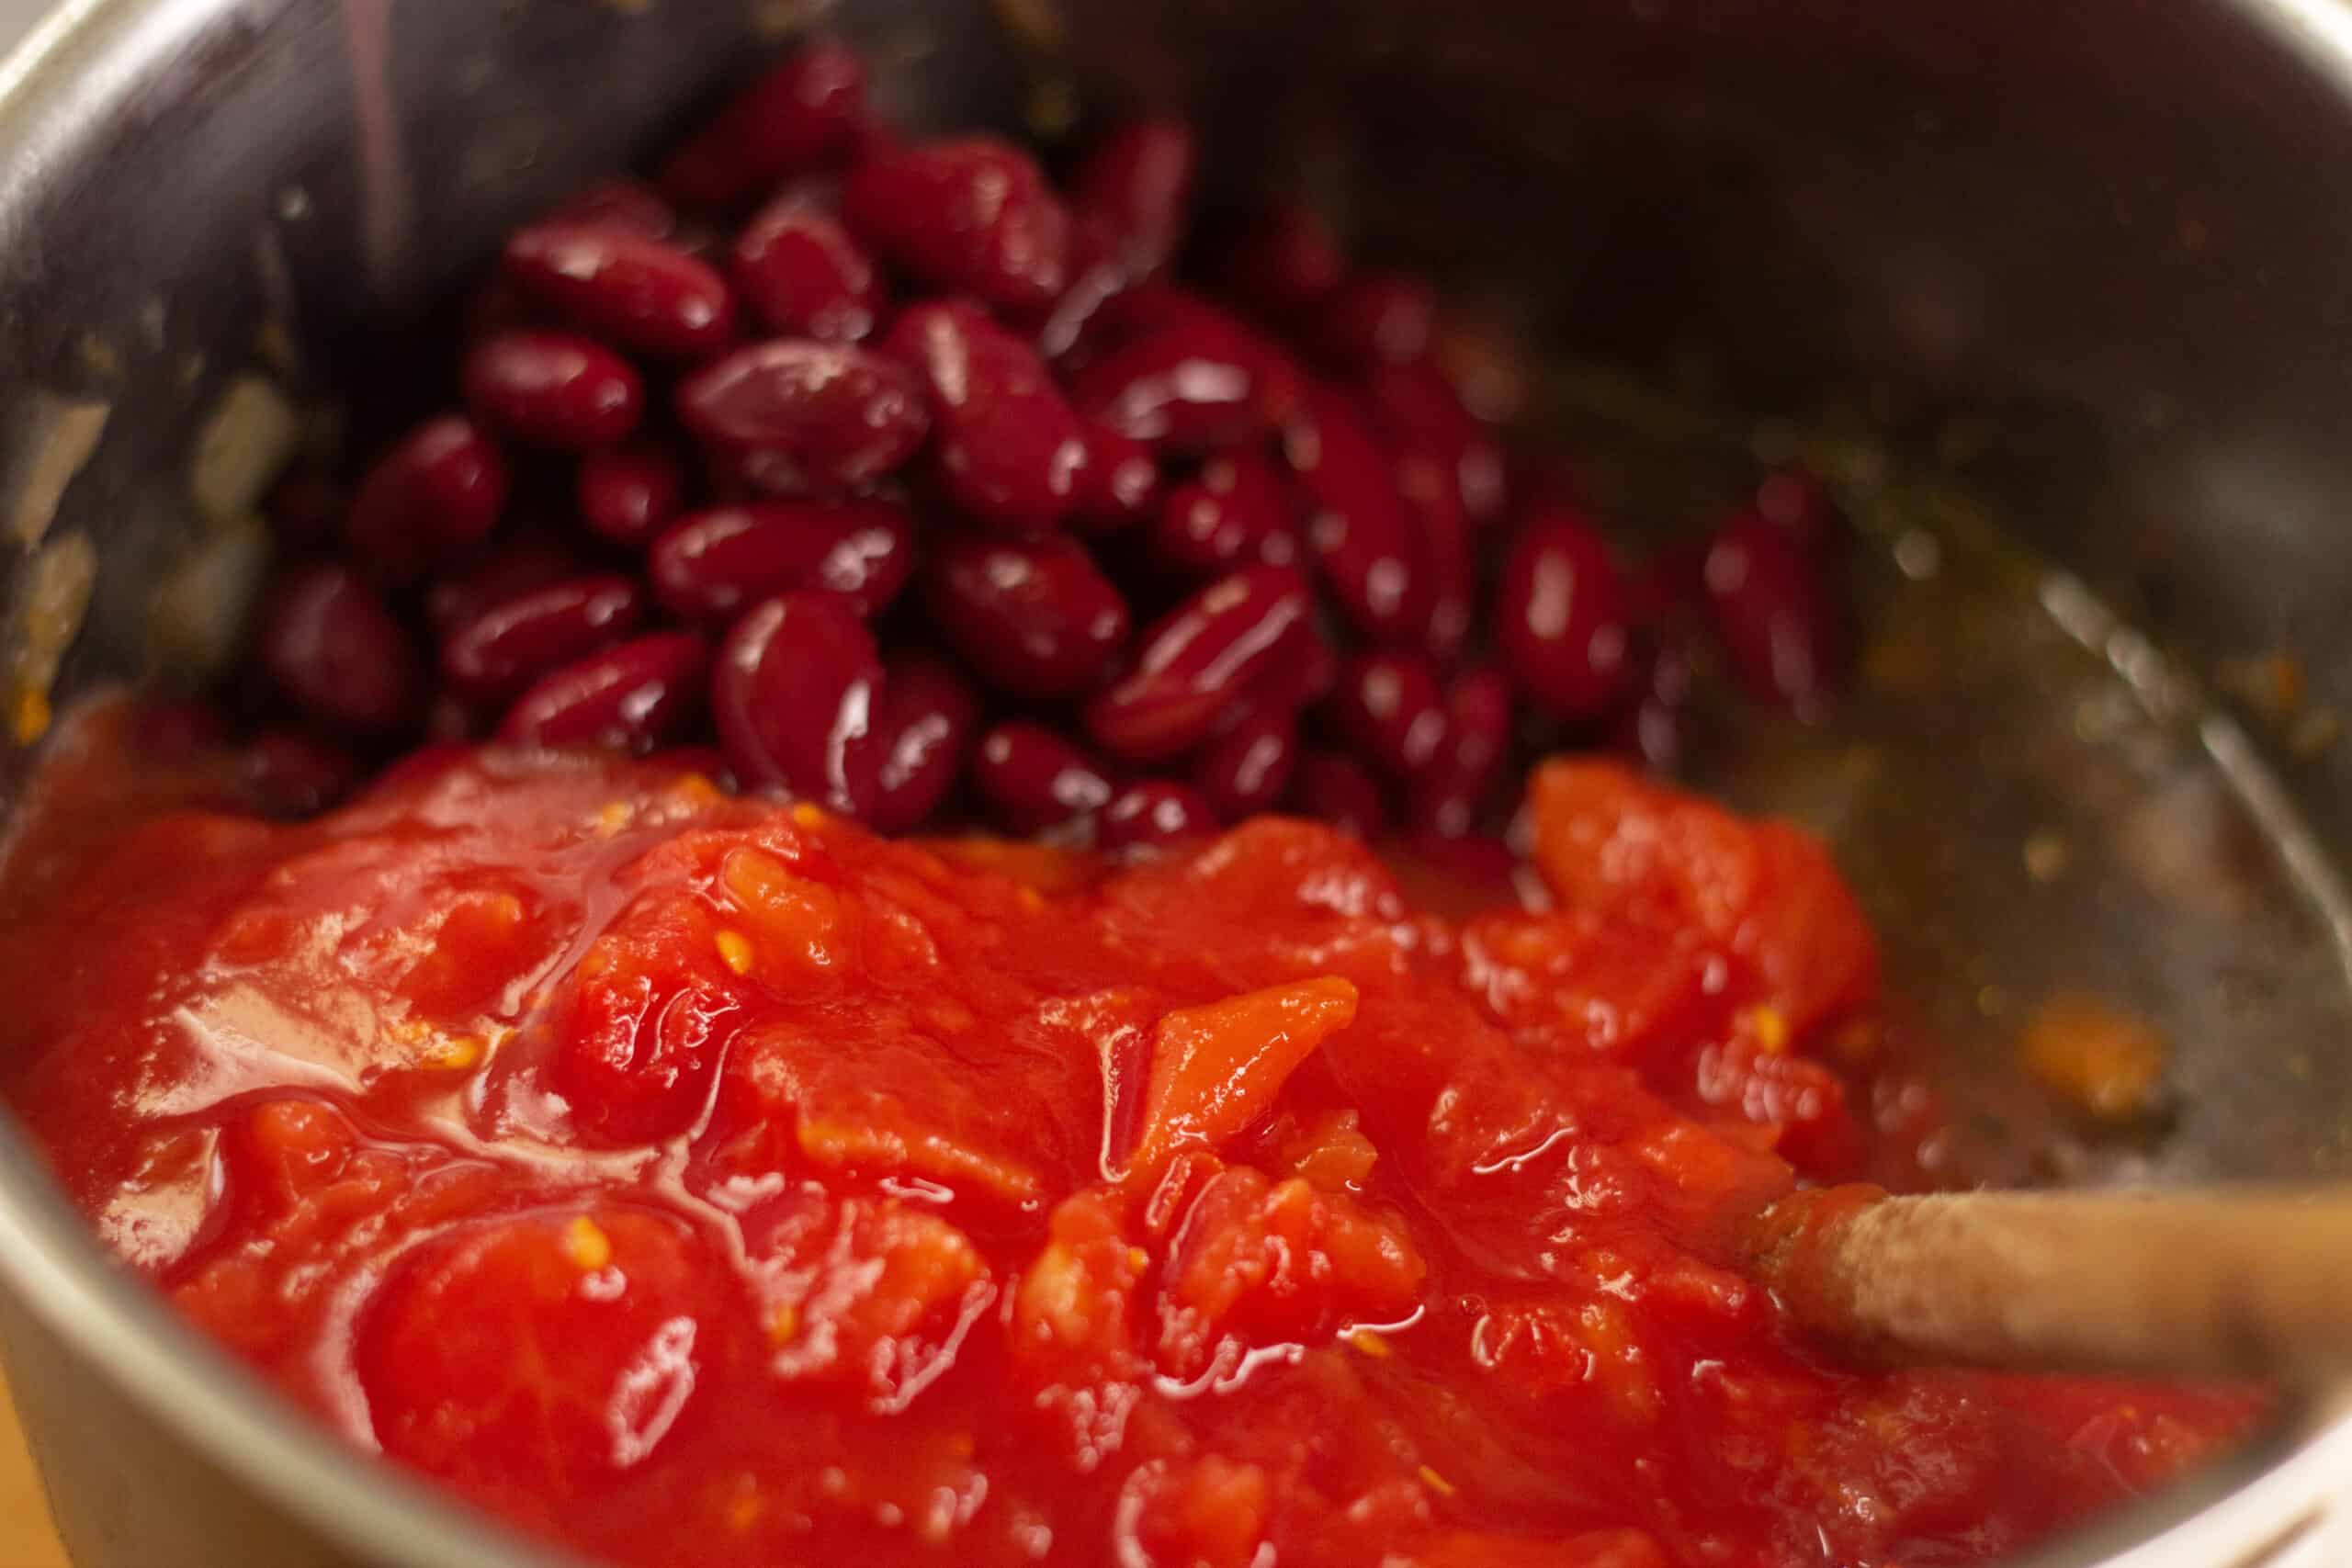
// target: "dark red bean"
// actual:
[[965, 215], [806, 415], [802, 276], [440, 489], [710, 564], [794, 693], [289, 774], [554, 389], [1337, 790], [1303, 671], [1119, 483], [632, 696], [1450, 792], [801, 115], [1796, 501], [630, 205], [1156, 811], [1007, 449], [1197, 384], [1357, 524], [1783, 630], [645, 295], [1448, 552], [1033, 616], [924, 725], [506, 646], [1245, 770], [307, 509], [1284, 261], [332, 646], [1427, 424], [1033, 779], [1390, 710], [1070, 332], [627, 493], [1210, 649], [510, 571], [1136, 187], [1562, 611], [1236, 511], [1649, 727], [1377, 318]]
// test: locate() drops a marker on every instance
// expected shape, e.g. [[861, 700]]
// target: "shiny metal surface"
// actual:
[[2032, 297]]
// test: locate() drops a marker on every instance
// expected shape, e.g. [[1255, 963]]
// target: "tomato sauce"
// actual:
[[698, 1180]]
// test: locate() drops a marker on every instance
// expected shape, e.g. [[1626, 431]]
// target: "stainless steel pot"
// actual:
[[2097, 256]]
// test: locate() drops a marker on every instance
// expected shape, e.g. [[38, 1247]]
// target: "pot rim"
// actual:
[[76, 67]]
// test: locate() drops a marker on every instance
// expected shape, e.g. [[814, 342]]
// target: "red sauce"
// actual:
[[698, 1180]]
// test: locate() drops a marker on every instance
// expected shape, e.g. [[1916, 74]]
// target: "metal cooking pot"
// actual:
[[2096, 257]]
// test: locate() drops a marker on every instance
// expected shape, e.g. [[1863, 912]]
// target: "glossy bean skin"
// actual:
[[1006, 446], [1033, 779], [439, 489], [803, 415], [330, 644], [503, 648], [1118, 486], [1783, 630], [632, 696], [708, 565], [801, 115], [1282, 260], [1034, 618], [1189, 380], [1356, 522], [1136, 187], [514, 568], [1450, 792], [642, 294], [1377, 317], [1238, 510], [627, 493], [1390, 710], [1650, 726], [801, 275], [1425, 422], [1207, 651], [1245, 770], [1303, 671], [1154, 811], [1561, 614], [557, 390], [1335, 788], [794, 693], [965, 215], [923, 726], [618, 202]]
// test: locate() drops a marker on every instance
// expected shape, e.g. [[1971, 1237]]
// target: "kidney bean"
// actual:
[[807, 414], [1135, 186], [967, 214], [509, 571], [632, 696], [1117, 485], [289, 774], [553, 390], [1156, 811], [1303, 671], [801, 115], [332, 646], [307, 510], [627, 493], [1357, 525], [629, 206], [799, 272], [439, 489], [1070, 332], [1448, 552], [922, 727], [645, 295], [1210, 649], [1425, 420], [1236, 511], [1648, 728], [1450, 790], [504, 647], [1033, 779], [1033, 616], [794, 693], [1795, 500], [1007, 449], [1245, 770], [1781, 629], [1336, 790], [1563, 613], [1195, 384], [1284, 261], [1390, 709], [1376, 318], [710, 564]]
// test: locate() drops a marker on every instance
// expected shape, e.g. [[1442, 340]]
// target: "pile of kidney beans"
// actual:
[[911, 480]]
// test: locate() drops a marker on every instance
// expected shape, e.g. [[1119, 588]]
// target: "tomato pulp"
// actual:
[[695, 1179]]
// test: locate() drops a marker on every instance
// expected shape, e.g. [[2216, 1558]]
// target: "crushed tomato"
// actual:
[[697, 1180]]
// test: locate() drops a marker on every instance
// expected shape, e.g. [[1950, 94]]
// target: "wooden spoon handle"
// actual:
[[2252, 1283]]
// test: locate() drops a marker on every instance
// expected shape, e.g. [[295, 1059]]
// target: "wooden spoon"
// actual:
[[2254, 1282]]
